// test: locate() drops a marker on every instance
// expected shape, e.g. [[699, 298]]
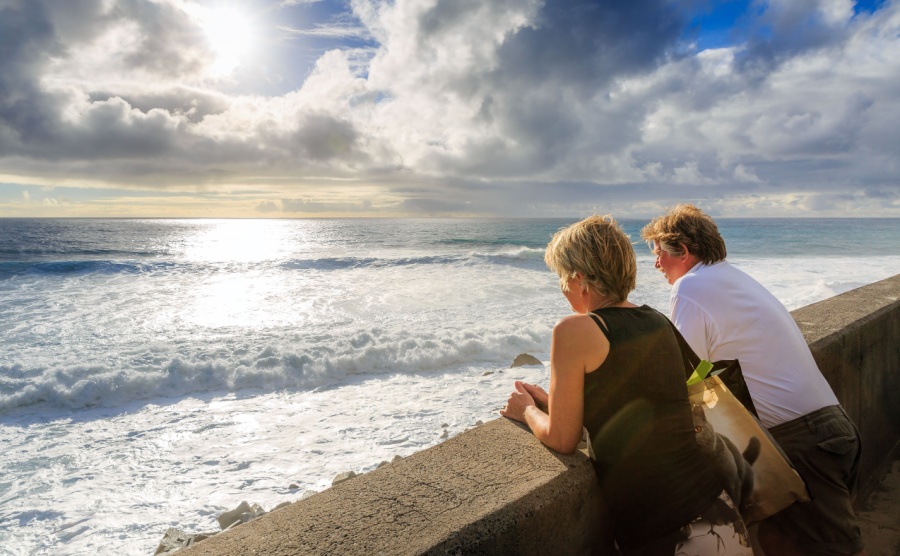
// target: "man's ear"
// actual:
[[684, 256]]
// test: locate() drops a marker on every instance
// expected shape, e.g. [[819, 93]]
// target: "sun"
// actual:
[[230, 34]]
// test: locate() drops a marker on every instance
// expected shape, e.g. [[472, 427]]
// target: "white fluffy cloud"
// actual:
[[469, 106]]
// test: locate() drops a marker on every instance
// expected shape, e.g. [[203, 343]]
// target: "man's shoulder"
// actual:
[[700, 277], [718, 284], [718, 271], [706, 283]]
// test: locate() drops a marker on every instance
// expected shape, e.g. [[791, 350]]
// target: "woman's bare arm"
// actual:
[[577, 346]]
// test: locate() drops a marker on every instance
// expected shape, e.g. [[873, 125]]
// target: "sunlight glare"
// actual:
[[230, 35], [240, 241], [244, 283]]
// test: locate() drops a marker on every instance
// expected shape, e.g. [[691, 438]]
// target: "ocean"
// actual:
[[155, 373]]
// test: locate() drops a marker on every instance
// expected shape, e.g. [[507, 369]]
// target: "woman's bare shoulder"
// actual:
[[578, 340], [577, 325]]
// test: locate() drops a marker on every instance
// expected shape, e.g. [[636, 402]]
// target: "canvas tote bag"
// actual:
[[767, 484]]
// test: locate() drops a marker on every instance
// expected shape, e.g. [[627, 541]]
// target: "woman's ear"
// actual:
[[581, 285]]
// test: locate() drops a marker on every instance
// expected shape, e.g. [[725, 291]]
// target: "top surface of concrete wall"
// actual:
[[457, 497], [822, 320]]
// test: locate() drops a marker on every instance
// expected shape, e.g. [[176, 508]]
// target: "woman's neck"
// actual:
[[605, 303]]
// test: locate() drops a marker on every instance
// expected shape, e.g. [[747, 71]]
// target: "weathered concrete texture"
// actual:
[[855, 338], [496, 490], [492, 490], [879, 515]]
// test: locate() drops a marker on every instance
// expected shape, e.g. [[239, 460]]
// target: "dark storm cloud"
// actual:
[[544, 102], [37, 33], [27, 40], [587, 44], [550, 73], [778, 31]]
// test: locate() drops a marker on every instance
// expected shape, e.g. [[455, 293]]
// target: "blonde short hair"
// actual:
[[686, 225], [597, 248]]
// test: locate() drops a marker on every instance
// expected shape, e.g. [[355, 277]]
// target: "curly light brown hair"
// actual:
[[686, 226], [598, 248]]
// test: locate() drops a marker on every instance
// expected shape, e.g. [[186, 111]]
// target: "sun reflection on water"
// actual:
[[246, 284], [242, 240]]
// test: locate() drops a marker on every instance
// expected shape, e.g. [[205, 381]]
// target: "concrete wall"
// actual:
[[496, 490], [855, 338], [492, 490]]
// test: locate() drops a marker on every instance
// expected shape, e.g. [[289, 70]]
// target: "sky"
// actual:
[[512, 108]]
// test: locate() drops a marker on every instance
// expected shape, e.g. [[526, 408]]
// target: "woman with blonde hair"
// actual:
[[616, 370]]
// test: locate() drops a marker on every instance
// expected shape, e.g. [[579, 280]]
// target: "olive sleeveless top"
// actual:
[[652, 474]]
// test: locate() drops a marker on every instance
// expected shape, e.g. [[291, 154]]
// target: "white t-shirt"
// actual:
[[725, 314]]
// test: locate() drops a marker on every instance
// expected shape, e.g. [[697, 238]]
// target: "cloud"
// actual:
[[310, 206], [434, 207], [587, 45], [45, 107], [191, 103], [266, 207], [346, 31], [787, 28], [467, 107]]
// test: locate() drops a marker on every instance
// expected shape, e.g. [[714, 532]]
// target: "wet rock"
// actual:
[[396, 458], [282, 505], [524, 359], [175, 539], [479, 422], [294, 486], [200, 537], [445, 425], [383, 463], [445, 435], [488, 373], [255, 511], [227, 519], [341, 477]]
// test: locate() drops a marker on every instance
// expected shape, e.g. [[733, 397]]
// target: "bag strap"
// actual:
[[688, 356]]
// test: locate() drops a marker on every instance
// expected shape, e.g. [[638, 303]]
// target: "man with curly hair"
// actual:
[[723, 313]]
